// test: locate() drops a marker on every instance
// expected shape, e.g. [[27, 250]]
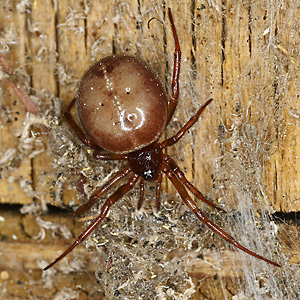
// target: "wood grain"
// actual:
[[242, 54]]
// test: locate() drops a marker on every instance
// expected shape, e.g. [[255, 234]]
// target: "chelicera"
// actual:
[[123, 110]]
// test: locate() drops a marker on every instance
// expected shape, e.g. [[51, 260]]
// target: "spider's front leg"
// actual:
[[176, 71]]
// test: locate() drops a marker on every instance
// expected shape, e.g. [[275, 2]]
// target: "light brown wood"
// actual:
[[282, 170], [21, 253], [242, 54]]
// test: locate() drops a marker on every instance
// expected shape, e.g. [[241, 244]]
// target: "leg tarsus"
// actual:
[[176, 71], [200, 215], [122, 190]]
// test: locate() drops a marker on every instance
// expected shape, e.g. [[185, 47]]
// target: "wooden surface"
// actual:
[[24, 253], [247, 69], [243, 55]]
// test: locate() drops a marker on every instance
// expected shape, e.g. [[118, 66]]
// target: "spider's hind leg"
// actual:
[[180, 175], [117, 195], [158, 188], [201, 216], [142, 192]]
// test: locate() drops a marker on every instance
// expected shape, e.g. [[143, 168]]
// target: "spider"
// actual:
[[123, 111]]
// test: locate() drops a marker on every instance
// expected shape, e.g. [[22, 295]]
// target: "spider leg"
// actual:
[[19, 89], [157, 197], [158, 187], [121, 191], [101, 191], [176, 71], [142, 192], [88, 142], [200, 215], [180, 175], [175, 138]]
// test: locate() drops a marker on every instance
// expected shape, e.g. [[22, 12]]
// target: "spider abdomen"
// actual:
[[121, 104]]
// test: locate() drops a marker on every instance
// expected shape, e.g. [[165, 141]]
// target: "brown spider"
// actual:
[[123, 110]]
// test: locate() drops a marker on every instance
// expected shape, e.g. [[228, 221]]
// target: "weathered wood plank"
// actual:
[[242, 54]]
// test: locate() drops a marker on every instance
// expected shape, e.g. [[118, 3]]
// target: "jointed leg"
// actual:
[[157, 197], [176, 71], [88, 142], [100, 192], [193, 207], [158, 187], [142, 192], [180, 175], [122, 190], [175, 138]]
